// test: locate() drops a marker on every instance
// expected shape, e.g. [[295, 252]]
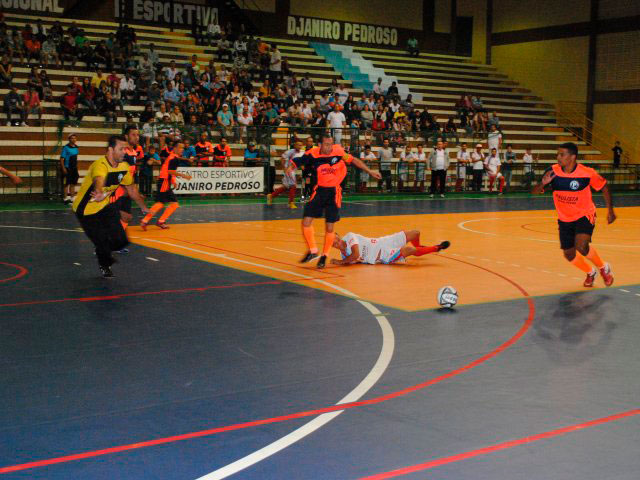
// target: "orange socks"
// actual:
[[594, 257], [425, 250], [152, 211], [581, 263], [310, 239], [328, 242], [167, 213]]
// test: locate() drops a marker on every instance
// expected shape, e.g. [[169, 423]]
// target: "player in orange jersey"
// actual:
[[330, 162], [164, 194], [571, 183]]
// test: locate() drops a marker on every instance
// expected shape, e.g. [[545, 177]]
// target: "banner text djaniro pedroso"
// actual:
[[220, 180]]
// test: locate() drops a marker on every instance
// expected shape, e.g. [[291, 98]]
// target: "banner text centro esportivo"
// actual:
[[220, 180]]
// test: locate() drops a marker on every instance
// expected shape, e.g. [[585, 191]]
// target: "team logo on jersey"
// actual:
[[120, 177], [574, 185], [334, 160]]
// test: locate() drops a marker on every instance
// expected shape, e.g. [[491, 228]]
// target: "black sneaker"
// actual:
[[106, 272], [308, 257], [444, 245], [322, 262]]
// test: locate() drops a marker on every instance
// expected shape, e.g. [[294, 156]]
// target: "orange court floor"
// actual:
[[522, 246]]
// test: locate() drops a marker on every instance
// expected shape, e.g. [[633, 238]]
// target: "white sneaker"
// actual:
[[23, 124], [442, 195], [8, 124], [431, 196]]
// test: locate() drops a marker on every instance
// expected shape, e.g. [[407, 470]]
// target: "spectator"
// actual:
[[69, 168], [275, 65], [221, 153], [507, 166], [69, 105], [477, 158], [307, 87], [412, 47], [462, 160], [47, 88], [245, 121], [67, 51], [13, 103], [154, 94], [224, 48], [103, 55], [150, 133], [450, 130], [98, 78], [6, 67], [617, 154], [527, 160], [294, 115], [392, 91], [154, 58], [251, 155], [377, 88], [18, 46], [189, 153], [367, 157], [213, 33], [492, 166], [33, 46], [171, 71], [366, 117], [494, 120], [494, 139], [108, 108], [336, 121], [225, 121], [39, 31], [150, 159], [439, 164], [341, 94], [87, 95], [32, 105], [49, 52], [386, 158], [176, 116], [128, 88], [171, 96]]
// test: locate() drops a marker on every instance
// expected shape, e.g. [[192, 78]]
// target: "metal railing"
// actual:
[[572, 116]]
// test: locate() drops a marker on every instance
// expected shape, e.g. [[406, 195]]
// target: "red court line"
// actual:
[[140, 294], [526, 225], [501, 446], [239, 426], [306, 269], [21, 272]]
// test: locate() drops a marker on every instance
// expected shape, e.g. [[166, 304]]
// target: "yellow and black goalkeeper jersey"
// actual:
[[113, 177]]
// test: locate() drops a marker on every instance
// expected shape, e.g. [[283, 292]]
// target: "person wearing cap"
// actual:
[[225, 121], [477, 159], [69, 168], [251, 155]]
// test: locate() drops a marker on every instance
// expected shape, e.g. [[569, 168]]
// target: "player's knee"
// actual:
[[583, 249], [125, 216], [570, 254]]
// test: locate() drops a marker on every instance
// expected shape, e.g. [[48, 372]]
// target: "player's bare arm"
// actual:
[[14, 178], [134, 194], [362, 166], [608, 200], [98, 194], [547, 178], [350, 260]]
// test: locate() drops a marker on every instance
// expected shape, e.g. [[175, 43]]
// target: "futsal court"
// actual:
[[215, 354]]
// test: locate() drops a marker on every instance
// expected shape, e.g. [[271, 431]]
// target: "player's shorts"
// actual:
[[569, 230], [165, 197], [324, 202], [390, 247], [289, 181], [494, 175], [72, 176], [420, 170]]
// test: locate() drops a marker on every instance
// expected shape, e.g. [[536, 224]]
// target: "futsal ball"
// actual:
[[447, 296]]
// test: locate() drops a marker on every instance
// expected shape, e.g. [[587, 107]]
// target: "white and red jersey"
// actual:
[[375, 250]]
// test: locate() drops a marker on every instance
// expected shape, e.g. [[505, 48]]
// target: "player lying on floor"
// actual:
[[389, 249]]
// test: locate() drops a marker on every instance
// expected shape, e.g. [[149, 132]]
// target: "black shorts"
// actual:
[[72, 176], [324, 200], [569, 230], [165, 197], [124, 203]]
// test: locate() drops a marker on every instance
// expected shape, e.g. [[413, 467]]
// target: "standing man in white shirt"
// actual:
[[377, 88], [341, 94], [463, 159], [336, 121], [477, 158], [275, 65], [527, 160], [420, 159], [439, 163], [494, 139], [492, 165], [367, 157]]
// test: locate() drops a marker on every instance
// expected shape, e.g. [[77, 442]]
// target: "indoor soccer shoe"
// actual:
[[269, 199], [106, 272], [143, 226], [591, 277], [308, 257], [444, 245], [162, 225], [322, 262], [607, 275], [292, 206]]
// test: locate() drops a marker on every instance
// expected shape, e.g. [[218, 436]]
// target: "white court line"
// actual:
[[79, 230], [462, 226], [285, 251], [152, 259], [623, 290], [386, 353], [76, 263]]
